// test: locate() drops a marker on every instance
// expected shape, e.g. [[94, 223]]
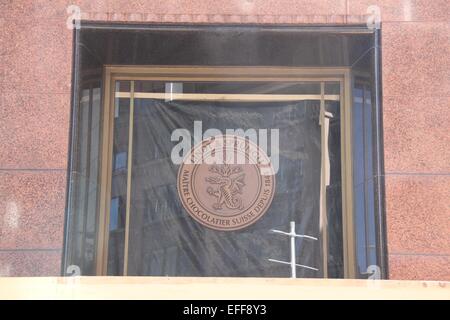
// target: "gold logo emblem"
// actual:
[[229, 187], [226, 183]]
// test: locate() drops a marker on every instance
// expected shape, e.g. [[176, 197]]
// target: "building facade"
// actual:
[[91, 88]]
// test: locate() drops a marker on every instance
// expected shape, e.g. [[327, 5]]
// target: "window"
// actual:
[[308, 115], [153, 213]]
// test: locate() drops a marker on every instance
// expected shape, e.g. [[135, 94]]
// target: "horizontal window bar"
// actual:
[[227, 97]]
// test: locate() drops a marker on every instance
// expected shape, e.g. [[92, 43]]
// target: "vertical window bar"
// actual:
[[129, 168], [323, 179]]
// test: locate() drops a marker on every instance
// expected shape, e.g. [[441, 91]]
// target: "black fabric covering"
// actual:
[[166, 241]]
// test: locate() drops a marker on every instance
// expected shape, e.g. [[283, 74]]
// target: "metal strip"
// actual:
[[74, 109], [347, 179], [105, 167], [289, 263], [129, 168], [323, 178], [229, 27], [226, 72], [225, 78], [381, 216], [227, 96]]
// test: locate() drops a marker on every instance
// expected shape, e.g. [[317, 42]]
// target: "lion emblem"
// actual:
[[230, 181]]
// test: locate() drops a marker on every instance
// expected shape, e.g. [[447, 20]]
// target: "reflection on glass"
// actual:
[[84, 186], [116, 239], [363, 179], [120, 160]]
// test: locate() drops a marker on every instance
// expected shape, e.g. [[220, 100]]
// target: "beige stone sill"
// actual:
[[217, 288]]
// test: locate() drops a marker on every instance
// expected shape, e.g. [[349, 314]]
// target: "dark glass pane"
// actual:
[[367, 169], [332, 88], [117, 218], [84, 183]]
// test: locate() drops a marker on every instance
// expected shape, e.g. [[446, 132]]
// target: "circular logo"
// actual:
[[226, 182]]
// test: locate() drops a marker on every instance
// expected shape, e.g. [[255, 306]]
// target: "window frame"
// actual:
[[112, 73]]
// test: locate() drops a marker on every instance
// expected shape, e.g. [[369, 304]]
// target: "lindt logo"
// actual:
[[218, 192]]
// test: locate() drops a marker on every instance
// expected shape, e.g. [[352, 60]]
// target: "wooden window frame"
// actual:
[[112, 74]]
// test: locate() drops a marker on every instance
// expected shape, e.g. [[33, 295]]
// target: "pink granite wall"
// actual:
[[35, 65]]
